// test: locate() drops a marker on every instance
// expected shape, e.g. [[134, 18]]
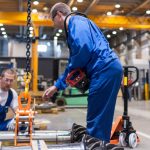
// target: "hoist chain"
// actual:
[[28, 46]]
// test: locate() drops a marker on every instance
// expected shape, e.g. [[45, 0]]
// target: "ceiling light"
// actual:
[[109, 13], [44, 36], [5, 36], [108, 36], [3, 32], [48, 44], [42, 48], [114, 32], [55, 37], [117, 6], [45, 8], [31, 35], [57, 34], [121, 28], [31, 28], [74, 8], [31, 31], [2, 29], [148, 12], [60, 31], [80, 1], [34, 10], [36, 2], [1, 24]]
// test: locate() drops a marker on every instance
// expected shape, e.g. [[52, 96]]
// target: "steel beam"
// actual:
[[122, 21], [20, 18], [113, 22], [34, 61]]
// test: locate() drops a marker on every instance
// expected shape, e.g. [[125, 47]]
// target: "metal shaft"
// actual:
[[52, 136]]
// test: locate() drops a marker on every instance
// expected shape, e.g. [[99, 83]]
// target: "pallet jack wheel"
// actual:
[[122, 140], [133, 140]]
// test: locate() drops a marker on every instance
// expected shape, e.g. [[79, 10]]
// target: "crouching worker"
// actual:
[[8, 98]]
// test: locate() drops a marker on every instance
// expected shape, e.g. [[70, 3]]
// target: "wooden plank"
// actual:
[[0, 145], [34, 145], [43, 145], [52, 111]]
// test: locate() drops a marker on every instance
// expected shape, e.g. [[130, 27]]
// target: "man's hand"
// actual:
[[11, 125], [50, 92]]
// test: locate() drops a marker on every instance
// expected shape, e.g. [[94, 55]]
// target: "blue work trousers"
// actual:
[[105, 84]]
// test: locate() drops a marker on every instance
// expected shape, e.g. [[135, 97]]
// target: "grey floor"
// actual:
[[139, 112]]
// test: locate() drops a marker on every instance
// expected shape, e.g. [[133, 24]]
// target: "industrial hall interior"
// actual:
[[74, 74]]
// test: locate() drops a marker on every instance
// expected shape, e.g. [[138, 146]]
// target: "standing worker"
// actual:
[[8, 98], [90, 51]]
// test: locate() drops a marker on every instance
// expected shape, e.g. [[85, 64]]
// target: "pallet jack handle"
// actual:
[[126, 71], [126, 86]]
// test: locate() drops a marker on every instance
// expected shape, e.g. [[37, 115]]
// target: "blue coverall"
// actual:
[[90, 51], [3, 111]]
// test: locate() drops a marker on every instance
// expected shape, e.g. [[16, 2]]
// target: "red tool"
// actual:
[[77, 78]]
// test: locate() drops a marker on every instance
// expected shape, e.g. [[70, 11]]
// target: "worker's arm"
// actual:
[[14, 103], [59, 85]]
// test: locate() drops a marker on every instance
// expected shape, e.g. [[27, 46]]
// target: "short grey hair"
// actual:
[[61, 7], [9, 71]]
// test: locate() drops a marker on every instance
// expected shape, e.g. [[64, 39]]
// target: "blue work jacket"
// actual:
[[89, 49]]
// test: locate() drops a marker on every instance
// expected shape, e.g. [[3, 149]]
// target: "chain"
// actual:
[[28, 45]]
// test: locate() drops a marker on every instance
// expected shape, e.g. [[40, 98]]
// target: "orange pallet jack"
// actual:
[[122, 131]]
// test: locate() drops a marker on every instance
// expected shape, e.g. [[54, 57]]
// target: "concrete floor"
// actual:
[[139, 112]]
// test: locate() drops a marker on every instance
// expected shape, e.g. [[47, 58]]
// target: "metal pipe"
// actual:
[[52, 136]]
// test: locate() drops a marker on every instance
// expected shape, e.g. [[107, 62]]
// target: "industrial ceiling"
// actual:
[[98, 10]]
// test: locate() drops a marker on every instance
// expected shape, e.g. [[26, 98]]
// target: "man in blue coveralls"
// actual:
[[90, 51], [8, 98]]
